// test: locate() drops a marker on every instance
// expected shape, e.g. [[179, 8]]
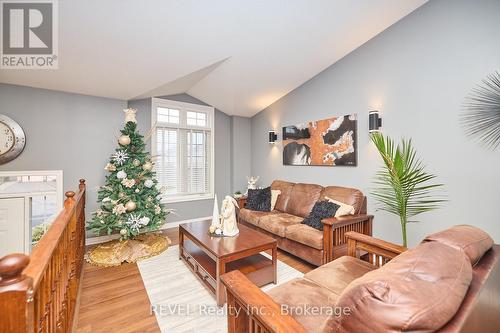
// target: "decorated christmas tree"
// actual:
[[130, 199]]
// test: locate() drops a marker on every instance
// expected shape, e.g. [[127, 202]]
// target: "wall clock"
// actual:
[[12, 139]]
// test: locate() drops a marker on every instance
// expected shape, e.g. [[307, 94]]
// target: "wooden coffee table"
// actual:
[[209, 257]]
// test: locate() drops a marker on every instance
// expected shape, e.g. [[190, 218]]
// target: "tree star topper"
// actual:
[[130, 115]]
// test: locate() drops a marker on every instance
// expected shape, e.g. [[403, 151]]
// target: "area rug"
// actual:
[[178, 299]]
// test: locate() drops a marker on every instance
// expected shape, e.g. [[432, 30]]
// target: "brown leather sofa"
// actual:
[[448, 283], [293, 205]]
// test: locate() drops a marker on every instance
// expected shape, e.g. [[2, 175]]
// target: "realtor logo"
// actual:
[[29, 34]]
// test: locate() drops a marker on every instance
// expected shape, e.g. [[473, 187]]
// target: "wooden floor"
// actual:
[[114, 299]]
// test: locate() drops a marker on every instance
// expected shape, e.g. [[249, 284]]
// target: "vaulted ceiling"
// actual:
[[239, 56]]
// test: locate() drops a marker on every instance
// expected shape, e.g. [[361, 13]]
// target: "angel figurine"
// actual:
[[228, 213]]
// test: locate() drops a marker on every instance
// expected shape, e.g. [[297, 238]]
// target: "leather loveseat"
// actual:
[[294, 204], [448, 283]]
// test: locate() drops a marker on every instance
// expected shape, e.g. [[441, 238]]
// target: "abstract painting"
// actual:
[[327, 142]]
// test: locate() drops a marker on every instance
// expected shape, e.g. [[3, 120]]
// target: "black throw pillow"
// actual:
[[259, 200], [320, 211]]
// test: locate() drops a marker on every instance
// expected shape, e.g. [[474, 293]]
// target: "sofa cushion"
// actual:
[[350, 196], [321, 210], [274, 197], [252, 216], [419, 290], [302, 199], [338, 274], [473, 241], [298, 294], [306, 235], [286, 189], [277, 223], [259, 199]]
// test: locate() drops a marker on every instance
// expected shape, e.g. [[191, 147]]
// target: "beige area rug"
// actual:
[[182, 303]]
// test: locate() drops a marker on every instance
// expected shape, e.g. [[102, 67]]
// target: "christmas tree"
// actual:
[[130, 199]]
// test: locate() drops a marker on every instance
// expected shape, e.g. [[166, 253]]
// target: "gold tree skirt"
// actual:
[[116, 252]]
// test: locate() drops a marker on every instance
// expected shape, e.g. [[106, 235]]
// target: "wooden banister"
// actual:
[[39, 293]]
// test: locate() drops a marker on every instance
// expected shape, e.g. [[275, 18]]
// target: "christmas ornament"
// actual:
[[147, 166], [136, 162], [121, 174], [107, 199], [218, 231], [149, 199], [134, 222], [102, 221], [149, 183], [130, 206], [157, 209], [120, 157], [137, 190], [110, 167], [130, 115], [119, 209], [145, 220], [124, 140], [123, 232], [128, 182]]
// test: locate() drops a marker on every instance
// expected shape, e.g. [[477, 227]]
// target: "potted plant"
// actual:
[[404, 188], [237, 194]]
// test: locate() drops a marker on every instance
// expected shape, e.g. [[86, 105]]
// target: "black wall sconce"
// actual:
[[273, 137], [374, 121]]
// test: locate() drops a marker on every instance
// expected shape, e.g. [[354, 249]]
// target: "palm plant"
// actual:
[[403, 186]]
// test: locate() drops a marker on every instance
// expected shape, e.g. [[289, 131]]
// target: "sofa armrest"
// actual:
[[379, 252], [251, 310], [346, 219]]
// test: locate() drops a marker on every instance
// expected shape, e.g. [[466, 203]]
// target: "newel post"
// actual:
[[69, 199], [16, 295]]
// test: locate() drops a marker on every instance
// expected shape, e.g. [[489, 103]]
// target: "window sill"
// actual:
[[189, 198]]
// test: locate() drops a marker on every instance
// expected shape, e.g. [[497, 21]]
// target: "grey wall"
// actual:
[[77, 134], [417, 74], [69, 132], [241, 147], [200, 208]]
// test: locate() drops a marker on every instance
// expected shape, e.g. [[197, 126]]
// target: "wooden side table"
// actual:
[[242, 201]]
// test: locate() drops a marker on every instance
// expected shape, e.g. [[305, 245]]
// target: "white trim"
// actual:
[[187, 198], [28, 196], [168, 225], [210, 111]]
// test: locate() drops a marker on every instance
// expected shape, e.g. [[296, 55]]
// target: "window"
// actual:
[[183, 144]]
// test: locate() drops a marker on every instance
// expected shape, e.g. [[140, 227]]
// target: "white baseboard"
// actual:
[[168, 225]]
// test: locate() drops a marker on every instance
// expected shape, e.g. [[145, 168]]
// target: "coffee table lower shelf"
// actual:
[[258, 268]]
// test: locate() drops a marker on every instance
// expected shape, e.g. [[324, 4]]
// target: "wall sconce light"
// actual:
[[374, 121], [273, 137]]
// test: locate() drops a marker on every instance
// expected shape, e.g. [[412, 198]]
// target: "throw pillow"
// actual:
[[274, 198], [344, 209], [259, 200], [320, 211]]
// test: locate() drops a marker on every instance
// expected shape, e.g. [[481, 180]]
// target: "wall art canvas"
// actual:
[[328, 142]]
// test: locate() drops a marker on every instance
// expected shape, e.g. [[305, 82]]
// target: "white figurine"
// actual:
[[229, 223], [252, 181], [215, 217]]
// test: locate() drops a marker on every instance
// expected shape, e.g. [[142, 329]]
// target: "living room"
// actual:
[[233, 166]]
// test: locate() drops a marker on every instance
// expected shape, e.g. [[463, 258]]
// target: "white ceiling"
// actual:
[[239, 56]]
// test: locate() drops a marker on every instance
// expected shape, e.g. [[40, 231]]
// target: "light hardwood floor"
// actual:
[[114, 299]]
